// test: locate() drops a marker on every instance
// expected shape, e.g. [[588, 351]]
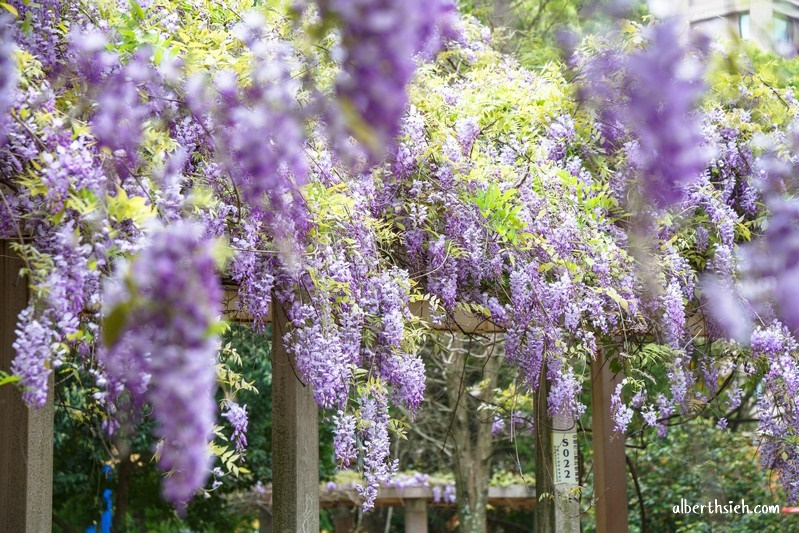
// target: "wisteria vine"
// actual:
[[285, 152]]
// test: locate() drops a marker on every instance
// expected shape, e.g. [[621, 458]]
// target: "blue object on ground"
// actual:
[[105, 518]]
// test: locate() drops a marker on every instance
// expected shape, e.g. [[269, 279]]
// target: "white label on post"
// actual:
[[564, 457]]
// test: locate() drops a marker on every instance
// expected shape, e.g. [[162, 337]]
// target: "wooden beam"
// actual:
[[26, 435], [459, 322], [295, 441], [610, 469], [512, 497]]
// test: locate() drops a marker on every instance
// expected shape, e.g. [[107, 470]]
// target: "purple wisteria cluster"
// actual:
[[769, 272], [647, 100], [377, 468], [124, 159], [257, 128], [64, 262], [445, 493], [379, 42], [344, 440], [349, 316], [237, 416], [704, 181], [548, 289], [117, 125], [126, 165], [158, 347], [747, 290], [8, 71], [34, 344], [42, 36], [778, 404]]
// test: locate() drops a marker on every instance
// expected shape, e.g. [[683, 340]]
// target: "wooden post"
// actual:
[[26, 435], [610, 470], [295, 440], [416, 516], [544, 482]]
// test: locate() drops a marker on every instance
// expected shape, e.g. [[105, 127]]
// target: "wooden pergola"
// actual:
[[414, 500], [26, 443]]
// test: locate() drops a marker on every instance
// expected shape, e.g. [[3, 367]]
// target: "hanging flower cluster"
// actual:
[[141, 169], [158, 347], [734, 183], [499, 214], [134, 163]]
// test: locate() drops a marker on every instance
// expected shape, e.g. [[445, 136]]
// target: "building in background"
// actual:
[[773, 24]]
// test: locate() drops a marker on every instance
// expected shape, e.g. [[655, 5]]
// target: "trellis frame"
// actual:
[[26, 434], [26, 444], [609, 471]]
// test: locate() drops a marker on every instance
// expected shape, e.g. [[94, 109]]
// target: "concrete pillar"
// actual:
[[343, 520], [761, 13], [680, 10], [555, 467], [295, 441], [565, 461], [26, 435], [416, 516], [503, 14], [610, 468], [544, 482], [265, 521]]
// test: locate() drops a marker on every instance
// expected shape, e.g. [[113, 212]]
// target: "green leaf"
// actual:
[[138, 12], [219, 327], [616, 297], [11, 9], [6, 378], [114, 323]]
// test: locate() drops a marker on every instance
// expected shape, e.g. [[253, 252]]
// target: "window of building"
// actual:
[[780, 32], [744, 29]]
